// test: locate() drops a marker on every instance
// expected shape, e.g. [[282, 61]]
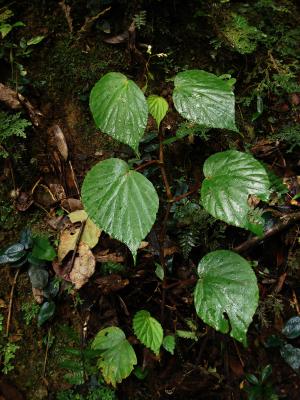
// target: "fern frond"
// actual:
[[140, 19]]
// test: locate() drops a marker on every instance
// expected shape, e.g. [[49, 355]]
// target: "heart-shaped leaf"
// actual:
[[230, 177], [204, 98], [226, 285], [117, 357], [158, 108], [119, 108], [291, 329], [121, 201], [148, 330]]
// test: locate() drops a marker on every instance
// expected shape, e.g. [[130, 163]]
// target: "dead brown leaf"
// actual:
[[84, 266]]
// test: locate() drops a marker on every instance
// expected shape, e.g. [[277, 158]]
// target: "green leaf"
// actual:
[[204, 98], [42, 249], [148, 330], [230, 177], [291, 356], [119, 108], [47, 311], [158, 108], [121, 201], [117, 355], [12, 254], [266, 372], [228, 285], [252, 379], [186, 334], [169, 343], [5, 29], [291, 329], [35, 40], [159, 271], [38, 277]]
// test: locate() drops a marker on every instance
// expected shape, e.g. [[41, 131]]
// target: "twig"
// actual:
[[146, 164], [11, 302], [184, 195], [287, 220], [46, 353], [69, 269]]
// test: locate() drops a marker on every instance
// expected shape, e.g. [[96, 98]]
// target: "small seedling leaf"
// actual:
[[148, 330], [117, 358], [169, 343], [291, 329], [42, 249], [47, 311], [158, 108], [291, 356]]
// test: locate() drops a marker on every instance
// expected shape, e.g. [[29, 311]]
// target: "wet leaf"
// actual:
[[204, 98], [117, 355], [84, 266], [12, 254], [230, 177], [119, 108], [291, 356], [121, 201], [226, 285], [158, 108], [291, 329], [91, 232], [42, 249], [47, 311], [148, 330], [38, 277], [169, 343]]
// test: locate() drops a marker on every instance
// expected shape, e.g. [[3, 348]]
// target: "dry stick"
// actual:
[[69, 269], [46, 353], [146, 164], [11, 302], [184, 195], [287, 220]]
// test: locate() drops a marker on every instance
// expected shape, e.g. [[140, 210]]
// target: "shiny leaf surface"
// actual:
[[47, 311], [121, 201], [117, 357], [291, 356], [230, 177], [226, 285], [148, 330], [291, 329], [119, 108], [204, 98]]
